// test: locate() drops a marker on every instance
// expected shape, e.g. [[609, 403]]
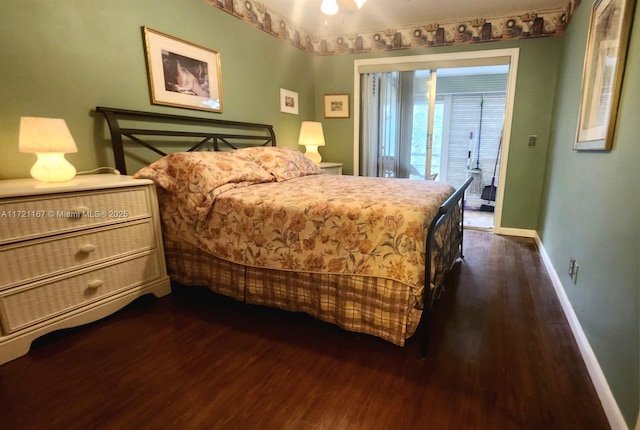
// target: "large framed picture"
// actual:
[[603, 71], [181, 73], [336, 106]]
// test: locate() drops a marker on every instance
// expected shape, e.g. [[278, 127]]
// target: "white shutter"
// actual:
[[465, 119]]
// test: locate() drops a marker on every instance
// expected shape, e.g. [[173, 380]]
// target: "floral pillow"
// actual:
[[195, 179], [282, 162]]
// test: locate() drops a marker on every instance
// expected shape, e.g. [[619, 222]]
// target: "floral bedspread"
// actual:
[[272, 208], [320, 223]]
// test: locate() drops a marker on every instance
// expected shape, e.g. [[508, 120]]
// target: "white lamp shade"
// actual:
[[45, 135], [311, 137], [49, 139], [311, 133], [359, 3]]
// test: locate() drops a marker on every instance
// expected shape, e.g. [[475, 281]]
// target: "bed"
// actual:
[[263, 224]]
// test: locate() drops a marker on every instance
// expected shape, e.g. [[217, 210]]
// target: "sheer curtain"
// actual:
[[370, 123], [386, 124]]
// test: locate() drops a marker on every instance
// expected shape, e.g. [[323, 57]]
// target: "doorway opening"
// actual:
[[444, 118], [467, 133]]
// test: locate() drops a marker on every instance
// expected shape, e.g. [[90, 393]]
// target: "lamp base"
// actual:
[[313, 154], [52, 167]]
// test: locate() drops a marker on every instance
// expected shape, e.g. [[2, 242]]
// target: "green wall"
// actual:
[[535, 87], [61, 59], [64, 58], [64, 61], [591, 212]]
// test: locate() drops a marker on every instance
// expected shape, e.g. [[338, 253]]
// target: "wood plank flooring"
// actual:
[[501, 357]]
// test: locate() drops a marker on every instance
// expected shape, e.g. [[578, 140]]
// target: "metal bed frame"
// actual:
[[215, 135], [254, 134]]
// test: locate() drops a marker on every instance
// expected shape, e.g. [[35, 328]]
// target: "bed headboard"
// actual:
[[197, 133]]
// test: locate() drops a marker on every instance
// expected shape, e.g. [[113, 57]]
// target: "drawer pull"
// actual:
[[78, 212], [95, 284], [87, 248]]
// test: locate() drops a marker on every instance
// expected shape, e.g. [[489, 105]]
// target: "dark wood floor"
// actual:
[[501, 357]]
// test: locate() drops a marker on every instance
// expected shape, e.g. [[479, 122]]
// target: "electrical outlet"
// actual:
[[573, 270], [572, 267], [533, 139]]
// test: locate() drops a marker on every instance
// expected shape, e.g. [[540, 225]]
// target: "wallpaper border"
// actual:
[[524, 25]]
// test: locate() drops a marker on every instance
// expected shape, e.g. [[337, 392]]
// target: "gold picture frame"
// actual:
[[336, 106], [181, 73], [603, 72]]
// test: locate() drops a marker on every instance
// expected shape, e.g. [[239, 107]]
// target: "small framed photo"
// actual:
[[336, 106], [288, 101], [181, 73]]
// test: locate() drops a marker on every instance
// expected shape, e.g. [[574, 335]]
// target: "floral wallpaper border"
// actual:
[[478, 30]]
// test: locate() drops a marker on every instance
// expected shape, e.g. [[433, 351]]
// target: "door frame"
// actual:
[[434, 61]]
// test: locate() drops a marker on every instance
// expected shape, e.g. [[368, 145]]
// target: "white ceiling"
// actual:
[[383, 14]]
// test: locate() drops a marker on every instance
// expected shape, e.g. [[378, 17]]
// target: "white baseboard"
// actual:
[[515, 232], [609, 404]]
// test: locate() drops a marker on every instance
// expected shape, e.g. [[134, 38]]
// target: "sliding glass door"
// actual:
[[425, 143], [418, 117], [414, 126], [397, 124]]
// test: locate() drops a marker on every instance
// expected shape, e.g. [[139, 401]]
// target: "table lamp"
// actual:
[[49, 139], [311, 136]]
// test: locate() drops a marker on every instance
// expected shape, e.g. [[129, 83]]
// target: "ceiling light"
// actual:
[[329, 7]]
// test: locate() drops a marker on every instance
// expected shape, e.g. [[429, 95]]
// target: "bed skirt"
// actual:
[[380, 307]]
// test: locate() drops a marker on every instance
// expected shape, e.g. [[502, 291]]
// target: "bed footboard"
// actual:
[[449, 250]]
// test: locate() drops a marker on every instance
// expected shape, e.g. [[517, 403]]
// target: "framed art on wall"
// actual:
[[288, 101], [336, 106], [603, 72], [181, 73]]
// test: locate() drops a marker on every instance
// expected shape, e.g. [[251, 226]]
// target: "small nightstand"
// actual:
[[331, 168], [73, 253]]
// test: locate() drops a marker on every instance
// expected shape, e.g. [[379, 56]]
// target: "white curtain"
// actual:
[[387, 124], [370, 120]]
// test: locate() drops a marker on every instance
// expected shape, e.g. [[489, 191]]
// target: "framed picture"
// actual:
[[603, 71], [181, 73], [336, 106], [288, 101]]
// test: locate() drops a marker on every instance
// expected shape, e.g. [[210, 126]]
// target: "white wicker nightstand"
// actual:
[[331, 168], [73, 253]]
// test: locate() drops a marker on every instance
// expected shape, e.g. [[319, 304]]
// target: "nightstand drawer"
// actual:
[[29, 261], [24, 218], [22, 307]]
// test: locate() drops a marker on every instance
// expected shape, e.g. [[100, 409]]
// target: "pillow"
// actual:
[[282, 162], [197, 178]]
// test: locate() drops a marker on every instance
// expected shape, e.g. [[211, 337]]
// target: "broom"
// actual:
[[476, 173], [489, 192]]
